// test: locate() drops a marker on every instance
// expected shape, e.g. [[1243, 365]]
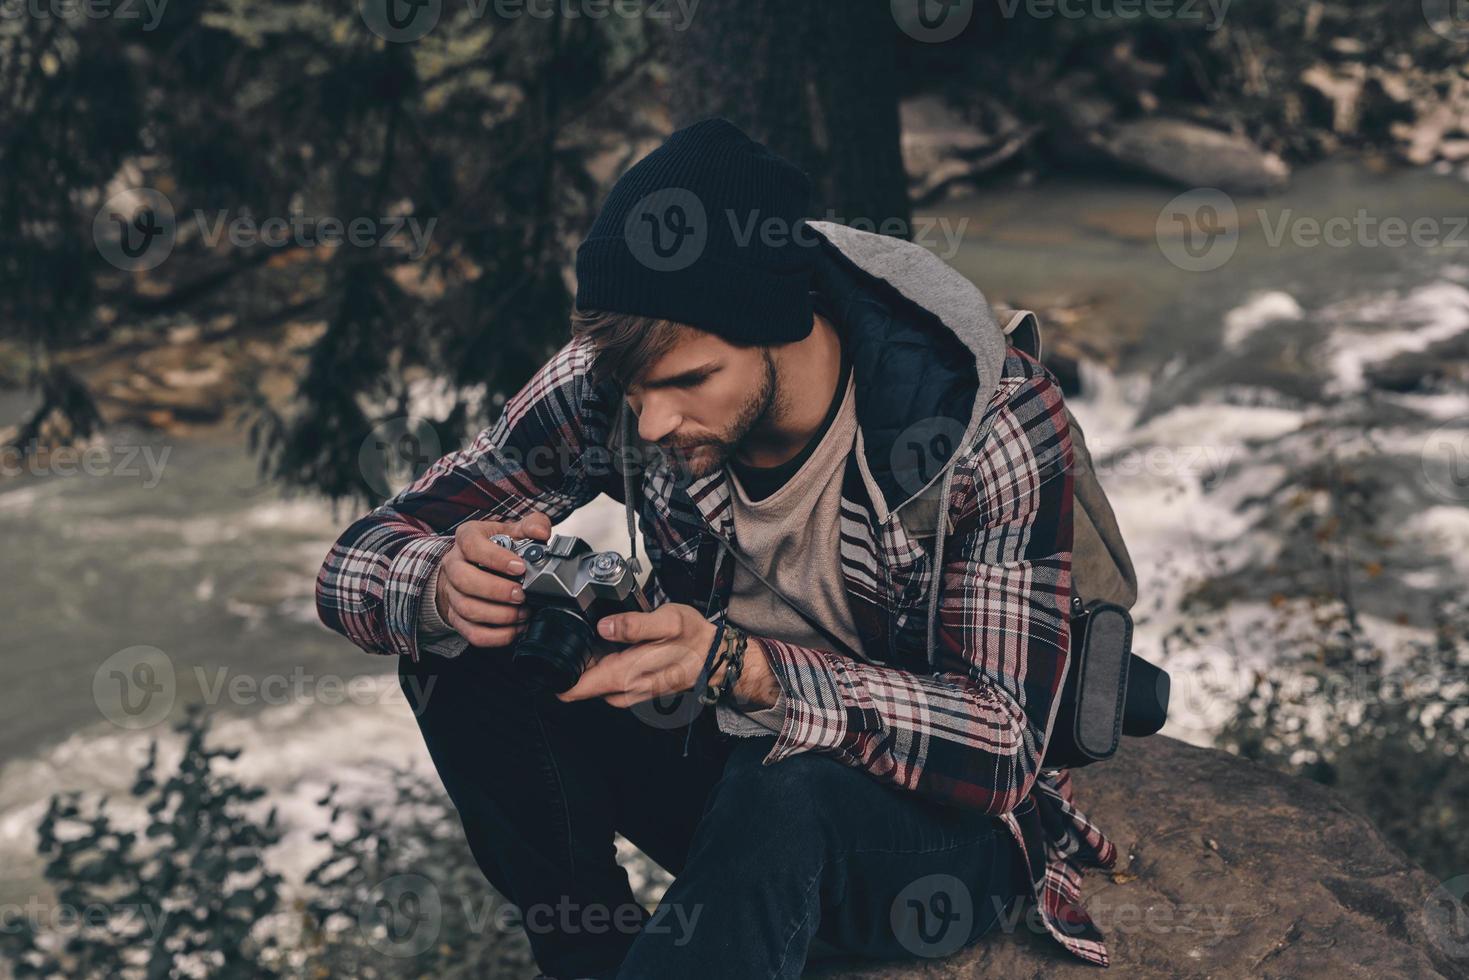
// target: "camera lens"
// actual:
[[554, 651]]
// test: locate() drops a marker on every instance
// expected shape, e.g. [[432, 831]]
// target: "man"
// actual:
[[836, 458]]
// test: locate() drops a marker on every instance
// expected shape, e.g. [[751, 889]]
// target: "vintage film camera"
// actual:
[[568, 587]]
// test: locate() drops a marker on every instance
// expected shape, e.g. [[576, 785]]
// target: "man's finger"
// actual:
[[662, 623], [473, 581], [487, 613], [477, 547], [633, 676], [533, 525], [493, 637], [604, 677]]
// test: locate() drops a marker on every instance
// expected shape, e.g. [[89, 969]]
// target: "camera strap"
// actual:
[[836, 642]]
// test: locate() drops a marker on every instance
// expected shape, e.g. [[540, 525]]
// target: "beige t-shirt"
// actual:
[[793, 537]]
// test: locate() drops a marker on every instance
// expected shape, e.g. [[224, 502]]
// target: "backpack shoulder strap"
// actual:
[[1023, 330]]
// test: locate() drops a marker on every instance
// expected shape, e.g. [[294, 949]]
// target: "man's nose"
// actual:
[[656, 422]]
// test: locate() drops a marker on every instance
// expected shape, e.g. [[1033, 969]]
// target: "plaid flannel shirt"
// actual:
[[967, 730]]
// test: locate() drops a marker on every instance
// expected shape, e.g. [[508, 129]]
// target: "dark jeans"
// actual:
[[765, 858]]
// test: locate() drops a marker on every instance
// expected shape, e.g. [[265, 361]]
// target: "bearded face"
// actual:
[[699, 401]]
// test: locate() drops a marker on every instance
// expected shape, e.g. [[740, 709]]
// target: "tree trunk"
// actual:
[[815, 81]]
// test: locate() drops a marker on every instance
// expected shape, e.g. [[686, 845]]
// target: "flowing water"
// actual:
[[1232, 385]]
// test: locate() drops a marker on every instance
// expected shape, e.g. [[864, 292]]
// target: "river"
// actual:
[[1225, 388]]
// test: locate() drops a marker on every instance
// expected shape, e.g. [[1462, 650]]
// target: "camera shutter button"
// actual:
[[606, 566]]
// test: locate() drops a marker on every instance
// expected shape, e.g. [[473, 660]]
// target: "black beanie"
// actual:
[[686, 235]]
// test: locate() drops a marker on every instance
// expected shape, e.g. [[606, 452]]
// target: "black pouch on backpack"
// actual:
[[1109, 690]]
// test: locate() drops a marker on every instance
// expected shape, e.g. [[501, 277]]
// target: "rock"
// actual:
[[1194, 156], [1424, 137], [1454, 151], [1227, 869], [942, 151]]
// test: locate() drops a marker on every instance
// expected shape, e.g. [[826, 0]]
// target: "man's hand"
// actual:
[[667, 650], [478, 590]]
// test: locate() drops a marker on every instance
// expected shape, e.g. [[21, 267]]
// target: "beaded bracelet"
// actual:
[[713, 693]]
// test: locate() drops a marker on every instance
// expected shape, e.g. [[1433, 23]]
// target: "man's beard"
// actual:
[[697, 459]]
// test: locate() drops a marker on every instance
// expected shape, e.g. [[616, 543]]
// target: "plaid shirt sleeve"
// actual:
[[972, 733], [533, 458]]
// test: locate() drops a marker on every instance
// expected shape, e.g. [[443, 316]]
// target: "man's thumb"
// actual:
[[534, 525]]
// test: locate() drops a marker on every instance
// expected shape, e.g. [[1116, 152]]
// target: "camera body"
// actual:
[[568, 587]]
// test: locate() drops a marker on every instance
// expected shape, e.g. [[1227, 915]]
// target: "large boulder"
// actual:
[[1229, 869], [1192, 155]]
